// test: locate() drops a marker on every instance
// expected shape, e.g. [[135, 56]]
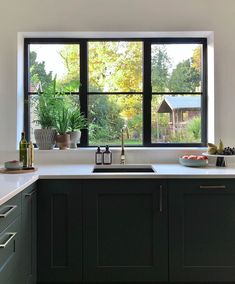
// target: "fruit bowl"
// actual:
[[12, 165], [193, 162]]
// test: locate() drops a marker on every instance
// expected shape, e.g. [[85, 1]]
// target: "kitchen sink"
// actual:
[[124, 169]]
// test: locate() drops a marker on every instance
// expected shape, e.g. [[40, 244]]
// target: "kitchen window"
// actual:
[[155, 86]]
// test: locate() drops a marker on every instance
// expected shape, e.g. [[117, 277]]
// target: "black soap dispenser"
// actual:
[[98, 156], [107, 156]]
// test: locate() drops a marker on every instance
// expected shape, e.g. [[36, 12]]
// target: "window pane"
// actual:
[[109, 113], [115, 66], [176, 67], [176, 119], [50, 61]]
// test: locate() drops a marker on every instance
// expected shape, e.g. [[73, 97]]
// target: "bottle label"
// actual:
[[99, 158], [107, 158], [23, 154]]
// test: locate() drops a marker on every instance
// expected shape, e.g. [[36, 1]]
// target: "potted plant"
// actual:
[[62, 117], [44, 106], [77, 121]]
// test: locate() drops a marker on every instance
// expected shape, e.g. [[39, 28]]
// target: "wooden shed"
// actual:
[[181, 109]]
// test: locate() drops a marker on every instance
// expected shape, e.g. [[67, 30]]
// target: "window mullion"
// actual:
[[147, 94], [26, 91], [204, 95], [83, 87]]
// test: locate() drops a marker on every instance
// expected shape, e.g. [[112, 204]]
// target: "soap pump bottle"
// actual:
[[107, 156], [98, 156]]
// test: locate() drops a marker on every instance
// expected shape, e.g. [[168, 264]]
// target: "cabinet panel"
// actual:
[[118, 228], [10, 251], [126, 230], [59, 231], [202, 230], [29, 234]]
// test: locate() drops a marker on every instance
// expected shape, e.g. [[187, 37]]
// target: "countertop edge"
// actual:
[[13, 185]]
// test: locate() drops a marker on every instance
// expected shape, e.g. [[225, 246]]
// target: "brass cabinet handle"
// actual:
[[11, 236], [160, 200], [11, 208], [212, 187]]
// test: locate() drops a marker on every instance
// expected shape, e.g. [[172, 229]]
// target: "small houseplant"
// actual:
[[62, 116], [77, 121], [44, 107]]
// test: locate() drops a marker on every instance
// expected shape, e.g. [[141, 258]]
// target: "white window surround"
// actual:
[[20, 63]]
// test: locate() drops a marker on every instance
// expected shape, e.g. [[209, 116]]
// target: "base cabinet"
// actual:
[[126, 236], [124, 230], [202, 230], [60, 231], [18, 238], [10, 239]]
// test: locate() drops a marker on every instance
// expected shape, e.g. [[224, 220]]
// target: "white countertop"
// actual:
[[11, 184]]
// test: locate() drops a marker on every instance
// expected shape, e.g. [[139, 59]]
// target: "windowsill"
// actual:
[[137, 155], [117, 148]]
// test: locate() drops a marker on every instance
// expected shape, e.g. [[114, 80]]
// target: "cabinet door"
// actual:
[[126, 230], [59, 231], [202, 230], [10, 252], [29, 231]]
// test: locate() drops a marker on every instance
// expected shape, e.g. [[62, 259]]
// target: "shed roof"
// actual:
[[180, 102]]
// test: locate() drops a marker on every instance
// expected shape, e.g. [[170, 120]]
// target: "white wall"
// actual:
[[119, 15]]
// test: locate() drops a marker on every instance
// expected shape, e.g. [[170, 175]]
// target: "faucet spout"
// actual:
[[123, 157]]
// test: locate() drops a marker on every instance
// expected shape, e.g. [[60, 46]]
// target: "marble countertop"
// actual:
[[11, 184]]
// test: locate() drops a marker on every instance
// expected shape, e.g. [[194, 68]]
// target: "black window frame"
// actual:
[[147, 88]]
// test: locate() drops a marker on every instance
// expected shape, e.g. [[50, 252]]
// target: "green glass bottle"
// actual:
[[23, 150]]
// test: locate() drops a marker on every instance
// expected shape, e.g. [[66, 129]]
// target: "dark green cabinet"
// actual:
[[202, 230], [10, 239], [126, 237], [60, 231], [135, 230], [28, 233], [18, 238]]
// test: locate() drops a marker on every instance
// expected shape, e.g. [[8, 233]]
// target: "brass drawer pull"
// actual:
[[11, 236], [212, 187], [11, 208]]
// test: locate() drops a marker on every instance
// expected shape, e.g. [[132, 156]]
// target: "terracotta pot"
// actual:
[[63, 141], [45, 138], [74, 139]]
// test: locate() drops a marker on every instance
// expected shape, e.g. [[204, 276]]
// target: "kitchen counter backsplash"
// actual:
[[87, 155]]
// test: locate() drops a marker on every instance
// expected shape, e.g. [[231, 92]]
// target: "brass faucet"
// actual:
[[124, 128]]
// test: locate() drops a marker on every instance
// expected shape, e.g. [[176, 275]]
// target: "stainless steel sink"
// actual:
[[124, 169]]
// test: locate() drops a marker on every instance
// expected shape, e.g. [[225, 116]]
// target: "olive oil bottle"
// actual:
[[23, 150], [30, 155]]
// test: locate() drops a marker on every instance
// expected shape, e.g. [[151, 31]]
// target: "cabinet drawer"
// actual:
[[9, 250], [9, 211], [204, 185]]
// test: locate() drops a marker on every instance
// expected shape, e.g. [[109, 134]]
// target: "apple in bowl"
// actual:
[[194, 160]]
